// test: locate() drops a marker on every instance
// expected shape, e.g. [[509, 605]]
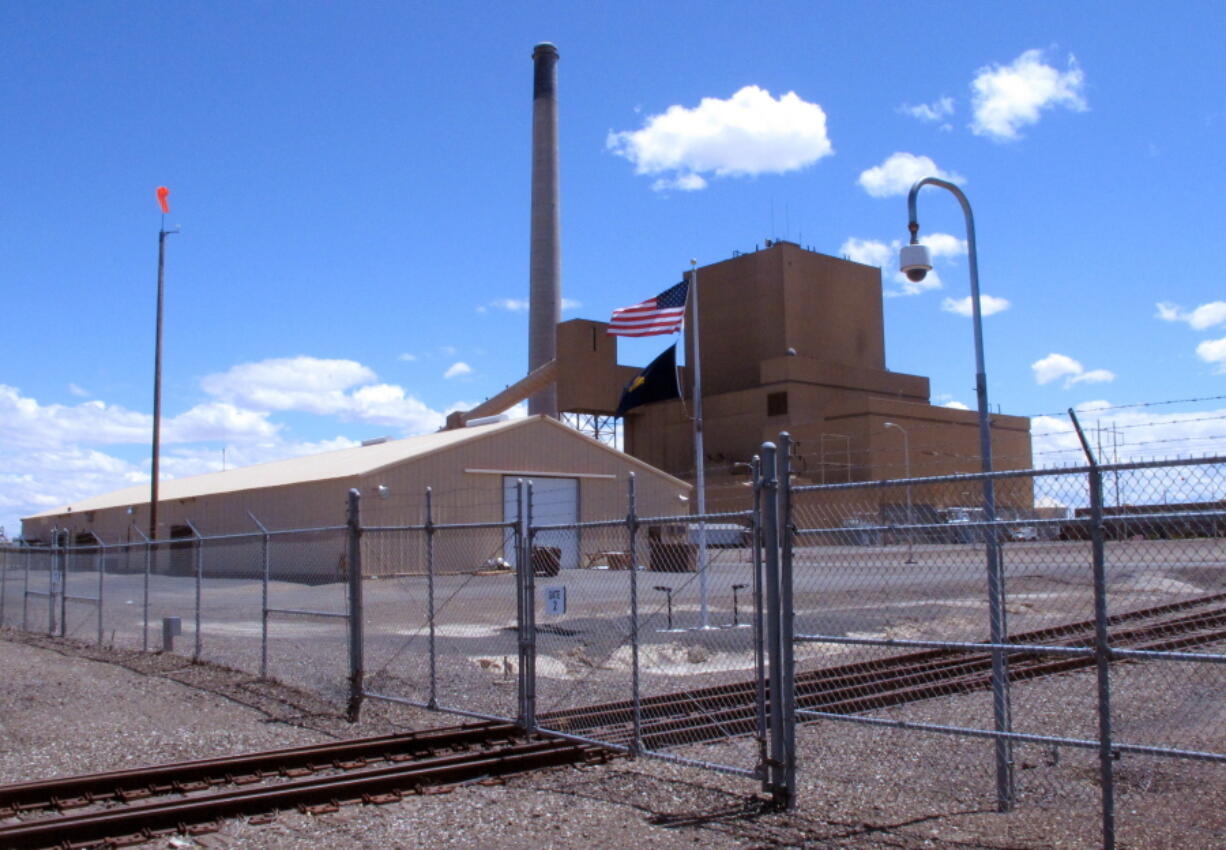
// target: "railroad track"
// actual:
[[726, 711], [133, 806]]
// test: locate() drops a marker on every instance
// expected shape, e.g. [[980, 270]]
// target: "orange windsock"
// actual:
[[163, 194]]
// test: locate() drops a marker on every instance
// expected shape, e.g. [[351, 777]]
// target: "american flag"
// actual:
[[655, 316]]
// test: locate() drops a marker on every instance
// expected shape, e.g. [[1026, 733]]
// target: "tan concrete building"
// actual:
[[472, 473], [794, 341]]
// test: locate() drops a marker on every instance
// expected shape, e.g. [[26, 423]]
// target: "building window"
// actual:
[[776, 404]]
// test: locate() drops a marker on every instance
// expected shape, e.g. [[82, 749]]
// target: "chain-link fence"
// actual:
[[1057, 633], [273, 603], [1060, 632]]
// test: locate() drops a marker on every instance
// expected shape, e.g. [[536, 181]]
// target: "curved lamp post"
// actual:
[[915, 263], [906, 459]]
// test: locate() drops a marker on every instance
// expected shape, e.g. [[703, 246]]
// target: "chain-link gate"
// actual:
[[644, 634], [441, 615]]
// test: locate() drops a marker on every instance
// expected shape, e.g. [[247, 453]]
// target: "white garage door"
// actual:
[[554, 501]]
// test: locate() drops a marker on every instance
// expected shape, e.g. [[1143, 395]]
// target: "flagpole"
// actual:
[[700, 480], [162, 194], [157, 385]]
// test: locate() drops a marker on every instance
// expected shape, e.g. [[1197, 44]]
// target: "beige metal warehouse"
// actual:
[[471, 472]]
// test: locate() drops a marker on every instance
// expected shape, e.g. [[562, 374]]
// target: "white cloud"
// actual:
[[1202, 318], [1055, 366], [511, 305], [748, 134], [930, 112], [899, 172], [79, 392], [408, 358], [457, 369], [24, 423], [868, 251], [956, 405], [1094, 376], [943, 245], [341, 388], [1007, 97], [1213, 351], [308, 384], [218, 421], [1167, 311], [388, 404], [682, 183], [521, 305], [988, 305]]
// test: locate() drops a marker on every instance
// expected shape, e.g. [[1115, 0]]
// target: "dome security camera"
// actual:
[[915, 262]]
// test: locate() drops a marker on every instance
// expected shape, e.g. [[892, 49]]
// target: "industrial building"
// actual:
[[792, 340], [472, 473]]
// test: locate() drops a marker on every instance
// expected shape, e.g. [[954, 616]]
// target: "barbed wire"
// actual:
[[1150, 424], [1132, 405]]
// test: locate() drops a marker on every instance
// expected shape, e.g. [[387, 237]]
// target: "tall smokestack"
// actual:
[[545, 263]]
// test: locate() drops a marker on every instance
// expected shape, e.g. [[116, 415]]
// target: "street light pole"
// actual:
[[915, 264], [906, 451]]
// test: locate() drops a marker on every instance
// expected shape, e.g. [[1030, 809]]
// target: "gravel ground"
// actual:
[[70, 708]]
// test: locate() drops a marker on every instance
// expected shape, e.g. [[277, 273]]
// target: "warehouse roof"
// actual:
[[342, 463]]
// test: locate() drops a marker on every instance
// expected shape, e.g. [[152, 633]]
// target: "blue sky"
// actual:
[[351, 181]]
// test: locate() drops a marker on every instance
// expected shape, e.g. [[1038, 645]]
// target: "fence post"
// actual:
[[198, 643], [145, 602], [529, 667], [100, 560], [521, 561], [433, 702], [632, 529], [759, 650], [25, 594], [770, 545], [787, 615], [353, 520], [265, 576], [4, 582], [66, 565], [1102, 642], [53, 574]]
